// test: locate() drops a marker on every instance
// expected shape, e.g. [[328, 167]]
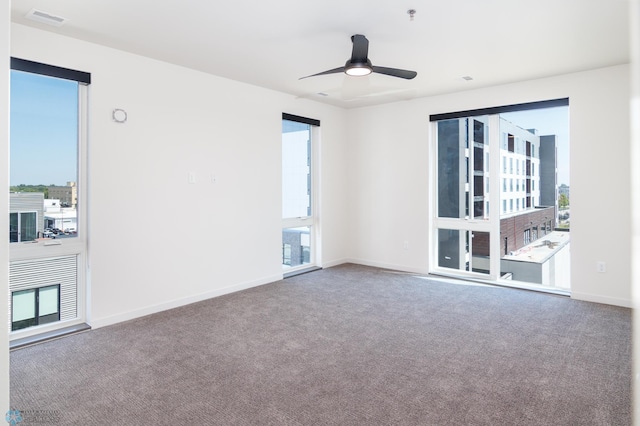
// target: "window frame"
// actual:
[[310, 221], [46, 248], [36, 301]]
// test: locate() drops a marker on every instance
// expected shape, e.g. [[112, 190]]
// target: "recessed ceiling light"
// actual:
[[322, 94], [45, 18], [467, 78]]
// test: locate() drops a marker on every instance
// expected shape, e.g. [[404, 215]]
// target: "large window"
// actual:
[[531, 143], [47, 201], [298, 194]]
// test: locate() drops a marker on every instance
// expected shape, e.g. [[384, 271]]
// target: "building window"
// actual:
[[286, 254], [504, 206], [35, 306], [23, 226], [527, 236]]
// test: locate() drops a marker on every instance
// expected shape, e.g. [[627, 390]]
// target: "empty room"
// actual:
[[336, 213]]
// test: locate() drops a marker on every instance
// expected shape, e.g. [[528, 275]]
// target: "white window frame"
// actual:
[[51, 248], [311, 221]]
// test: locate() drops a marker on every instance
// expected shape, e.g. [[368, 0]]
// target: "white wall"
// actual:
[[180, 121], [4, 207], [389, 179]]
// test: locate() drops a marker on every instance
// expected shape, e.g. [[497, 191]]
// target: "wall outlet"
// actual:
[[191, 177], [405, 245], [601, 266]]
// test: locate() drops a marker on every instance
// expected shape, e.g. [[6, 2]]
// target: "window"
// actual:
[[35, 306], [526, 134], [47, 171], [298, 219], [22, 226]]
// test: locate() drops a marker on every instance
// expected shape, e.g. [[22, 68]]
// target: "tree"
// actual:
[[563, 201]]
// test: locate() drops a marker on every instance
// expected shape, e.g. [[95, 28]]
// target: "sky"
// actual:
[[44, 130], [548, 121]]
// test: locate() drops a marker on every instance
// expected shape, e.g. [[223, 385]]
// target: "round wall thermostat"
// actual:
[[119, 115]]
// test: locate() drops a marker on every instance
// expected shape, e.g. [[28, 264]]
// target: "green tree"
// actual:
[[563, 201], [30, 188]]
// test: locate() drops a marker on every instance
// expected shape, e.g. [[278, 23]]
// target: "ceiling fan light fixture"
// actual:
[[358, 69]]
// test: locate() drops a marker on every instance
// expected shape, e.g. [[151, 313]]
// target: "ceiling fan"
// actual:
[[360, 65]]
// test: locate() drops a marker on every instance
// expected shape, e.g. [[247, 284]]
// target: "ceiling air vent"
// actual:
[[45, 18]]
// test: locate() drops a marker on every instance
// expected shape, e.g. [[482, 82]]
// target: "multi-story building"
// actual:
[[528, 193], [68, 195]]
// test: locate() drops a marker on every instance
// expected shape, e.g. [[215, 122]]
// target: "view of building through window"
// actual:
[[297, 211], [43, 157], [531, 196], [43, 199]]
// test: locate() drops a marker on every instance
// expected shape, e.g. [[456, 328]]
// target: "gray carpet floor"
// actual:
[[349, 345]]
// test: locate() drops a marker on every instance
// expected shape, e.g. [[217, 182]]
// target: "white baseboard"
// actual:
[[616, 301], [382, 265], [148, 310], [333, 263]]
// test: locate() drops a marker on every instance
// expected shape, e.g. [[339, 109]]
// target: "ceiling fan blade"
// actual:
[[333, 71], [360, 49], [395, 72]]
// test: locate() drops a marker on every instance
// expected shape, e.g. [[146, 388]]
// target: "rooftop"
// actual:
[[541, 249]]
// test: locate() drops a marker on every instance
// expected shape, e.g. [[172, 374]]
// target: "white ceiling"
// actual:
[[274, 43]]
